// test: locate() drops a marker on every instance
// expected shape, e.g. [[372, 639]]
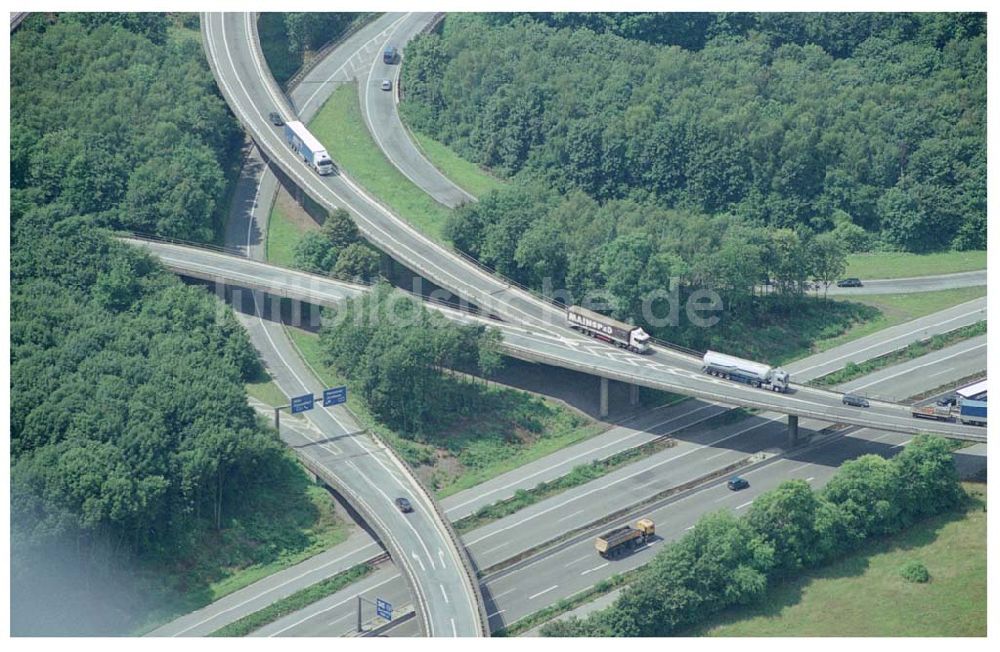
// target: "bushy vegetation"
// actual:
[[877, 124], [337, 249], [135, 458], [726, 561], [916, 572], [108, 123]]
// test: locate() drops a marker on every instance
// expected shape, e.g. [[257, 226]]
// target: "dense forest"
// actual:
[[721, 152], [132, 444], [888, 129], [727, 560]]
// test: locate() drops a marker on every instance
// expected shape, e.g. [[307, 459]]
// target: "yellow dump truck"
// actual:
[[623, 539]]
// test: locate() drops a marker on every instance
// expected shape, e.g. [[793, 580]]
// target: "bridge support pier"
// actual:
[[633, 395], [604, 398], [793, 430]]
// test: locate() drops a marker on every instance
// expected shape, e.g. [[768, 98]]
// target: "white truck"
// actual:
[[310, 149], [745, 371], [607, 329]]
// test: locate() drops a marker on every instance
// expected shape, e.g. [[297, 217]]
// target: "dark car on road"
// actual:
[[948, 401], [275, 118], [849, 283], [855, 400], [404, 505], [737, 483]]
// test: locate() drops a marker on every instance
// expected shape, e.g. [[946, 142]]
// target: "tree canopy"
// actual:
[[787, 120]]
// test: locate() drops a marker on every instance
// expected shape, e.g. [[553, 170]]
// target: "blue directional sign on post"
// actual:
[[334, 396], [302, 403], [383, 609]]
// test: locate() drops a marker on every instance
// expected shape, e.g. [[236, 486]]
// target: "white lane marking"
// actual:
[[596, 568], [551, 588], [810, 479], [446, 600], [507, 592], [726, 497], [495, 548], [454, 631], [579, 511], [417, 557], [441, 557], [903, 444], [720, 454], [690, 527], [578, 559], [749, 502], [799, 468], [495, 613]]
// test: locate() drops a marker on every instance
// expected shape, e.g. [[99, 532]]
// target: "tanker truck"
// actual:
[[607, 329], [745, 371]]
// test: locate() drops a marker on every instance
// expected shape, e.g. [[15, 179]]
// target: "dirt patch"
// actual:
[[293, 211]]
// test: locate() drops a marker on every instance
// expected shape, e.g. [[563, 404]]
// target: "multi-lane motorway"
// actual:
[[249, 89]]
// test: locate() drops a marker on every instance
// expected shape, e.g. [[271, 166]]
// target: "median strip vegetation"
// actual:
[[340, 126], [855, 370], [298, 600]]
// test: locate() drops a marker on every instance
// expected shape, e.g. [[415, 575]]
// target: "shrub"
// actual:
[[914, 571]]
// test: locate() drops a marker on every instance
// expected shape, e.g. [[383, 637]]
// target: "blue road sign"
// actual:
[[302, 403], [383, 609], [334, 396]]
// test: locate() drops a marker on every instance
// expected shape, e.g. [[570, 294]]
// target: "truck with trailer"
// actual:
[[972, 412], [625, 538], [609, 330], [310, 149], [752, 373]]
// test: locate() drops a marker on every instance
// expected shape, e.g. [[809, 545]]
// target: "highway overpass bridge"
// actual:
[[662, 369]]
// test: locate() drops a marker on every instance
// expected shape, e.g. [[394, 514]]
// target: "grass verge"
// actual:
[[339, 126], [855, 370], [283, 234], [864, 595], [473, 451], [298, 600], [468, 176], [904, 265], [896, 309]]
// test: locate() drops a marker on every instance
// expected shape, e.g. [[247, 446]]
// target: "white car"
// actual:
[[387, 84]]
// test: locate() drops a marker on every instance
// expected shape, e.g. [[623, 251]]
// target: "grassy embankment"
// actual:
[[283, 526], [895, 309], [465, 174], [864, 595], [903, 265], [473, 451], [340, 126]]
